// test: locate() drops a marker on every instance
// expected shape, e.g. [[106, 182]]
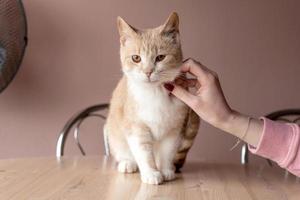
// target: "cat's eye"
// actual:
[[136, 58], [160, 58]]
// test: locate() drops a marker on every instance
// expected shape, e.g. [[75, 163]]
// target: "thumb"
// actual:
[[183, 95]]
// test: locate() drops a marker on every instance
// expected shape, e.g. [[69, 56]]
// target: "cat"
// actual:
[[147, 128]]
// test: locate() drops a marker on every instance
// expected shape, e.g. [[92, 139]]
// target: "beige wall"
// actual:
[[72, 62]]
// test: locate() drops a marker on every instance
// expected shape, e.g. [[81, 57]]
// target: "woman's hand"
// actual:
[[207, 100]]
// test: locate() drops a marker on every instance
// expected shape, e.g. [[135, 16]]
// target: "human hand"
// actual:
[[208, 100]]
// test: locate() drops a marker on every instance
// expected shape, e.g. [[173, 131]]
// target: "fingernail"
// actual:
[[169, 86]]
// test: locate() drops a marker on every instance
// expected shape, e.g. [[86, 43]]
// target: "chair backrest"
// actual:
[[75, 122]]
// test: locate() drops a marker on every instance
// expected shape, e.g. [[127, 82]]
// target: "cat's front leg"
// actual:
[[141, 145], [165, 159]]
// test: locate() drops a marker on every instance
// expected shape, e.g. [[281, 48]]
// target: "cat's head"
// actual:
[[151, 56]]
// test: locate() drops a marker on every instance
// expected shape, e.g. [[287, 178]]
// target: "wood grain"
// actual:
[[88, 178]]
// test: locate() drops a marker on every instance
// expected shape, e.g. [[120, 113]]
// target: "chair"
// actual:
[[288, 115], [75, 122]]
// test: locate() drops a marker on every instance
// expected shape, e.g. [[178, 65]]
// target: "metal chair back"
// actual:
[[75, 122]]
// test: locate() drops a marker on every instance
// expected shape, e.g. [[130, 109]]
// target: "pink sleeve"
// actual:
[[280, 142]]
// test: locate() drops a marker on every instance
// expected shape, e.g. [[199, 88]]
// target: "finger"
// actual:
[[195, 68], [184, 82], [192, 83], [181, 82], [183, 95]]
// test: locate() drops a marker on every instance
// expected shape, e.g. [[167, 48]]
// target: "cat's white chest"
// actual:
[[157, 109]]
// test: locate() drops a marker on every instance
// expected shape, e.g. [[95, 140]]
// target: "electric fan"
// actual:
[[13, 39]]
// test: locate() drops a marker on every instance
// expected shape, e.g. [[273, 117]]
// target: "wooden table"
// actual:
[[88, 178]]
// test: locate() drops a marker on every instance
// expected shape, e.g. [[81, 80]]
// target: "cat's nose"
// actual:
[[148, 73]]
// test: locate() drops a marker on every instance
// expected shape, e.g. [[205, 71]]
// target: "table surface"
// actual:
[[88, 178]]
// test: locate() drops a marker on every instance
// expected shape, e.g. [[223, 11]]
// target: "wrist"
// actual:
[[225, 120], [239, 125], [233, 123]]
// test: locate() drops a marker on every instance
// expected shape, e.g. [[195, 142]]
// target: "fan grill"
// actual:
[[12, 39]]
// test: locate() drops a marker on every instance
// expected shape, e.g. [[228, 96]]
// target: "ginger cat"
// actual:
[[147, 128]]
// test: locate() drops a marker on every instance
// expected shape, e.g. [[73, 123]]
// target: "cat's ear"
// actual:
[[126, 31], [171, 26]]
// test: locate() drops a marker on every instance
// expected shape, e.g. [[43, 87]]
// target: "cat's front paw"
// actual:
[[127, 166], [168, 174], [152, 177]]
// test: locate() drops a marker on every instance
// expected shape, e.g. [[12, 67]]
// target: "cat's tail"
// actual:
[[189, 132]]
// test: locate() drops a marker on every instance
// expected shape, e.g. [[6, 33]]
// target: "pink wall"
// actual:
[[72, 62]]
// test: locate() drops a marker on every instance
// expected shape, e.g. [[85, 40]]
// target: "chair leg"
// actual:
[[244, 155], [60, 145], [106, 144], [76, 136]]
